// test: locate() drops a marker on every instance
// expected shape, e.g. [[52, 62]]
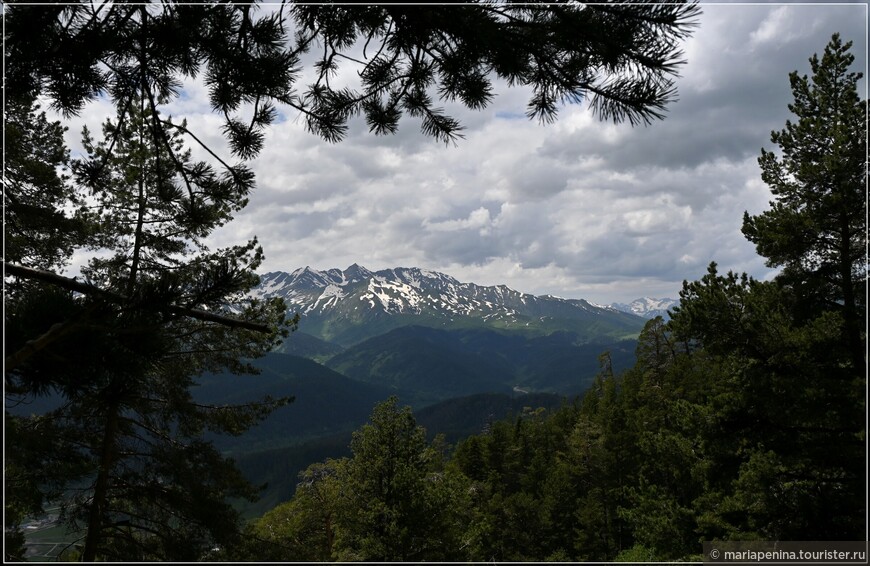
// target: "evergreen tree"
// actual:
[[816, 228], [604, 458], [146, 488], [661, 397], [305, 527], [522, 490], [621, 56], [816, 231], [780, 432], [392, 505], [392, 500], [783, 433], [38, 229]]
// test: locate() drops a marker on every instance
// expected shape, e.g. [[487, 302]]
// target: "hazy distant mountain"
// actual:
[[647, 307], [347, 307]]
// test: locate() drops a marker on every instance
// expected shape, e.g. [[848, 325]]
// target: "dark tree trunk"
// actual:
[[101, 487]]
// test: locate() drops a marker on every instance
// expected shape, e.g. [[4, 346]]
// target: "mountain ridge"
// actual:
[[351, 305]]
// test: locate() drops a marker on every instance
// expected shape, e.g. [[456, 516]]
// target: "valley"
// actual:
[[459, 354]]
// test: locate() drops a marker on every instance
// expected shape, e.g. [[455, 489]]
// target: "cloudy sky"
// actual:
[[579, 208]]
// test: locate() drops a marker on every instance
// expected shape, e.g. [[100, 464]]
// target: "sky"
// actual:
[[577, 209]]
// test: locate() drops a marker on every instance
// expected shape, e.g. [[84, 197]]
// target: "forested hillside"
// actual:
[[438, 364]]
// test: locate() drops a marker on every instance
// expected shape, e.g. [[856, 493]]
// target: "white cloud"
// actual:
[[783, 25], [478, 219]]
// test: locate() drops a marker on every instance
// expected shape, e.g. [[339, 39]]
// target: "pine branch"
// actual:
[[85, 288], [56, 332]]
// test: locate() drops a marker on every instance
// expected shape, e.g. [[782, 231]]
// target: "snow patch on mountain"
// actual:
[[394, 296], [647, 307], [340, 299]]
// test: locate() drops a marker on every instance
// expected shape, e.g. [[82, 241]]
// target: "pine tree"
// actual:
[[390, 508], [780, 440], [392, 500], [38, 229], [816, 228], [146, 488], [816, 232], [782, 434], [304, 528]]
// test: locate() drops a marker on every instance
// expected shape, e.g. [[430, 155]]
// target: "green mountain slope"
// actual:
[[439, 364], [464, 416], [308, 346], [432, 363], [325, 402]]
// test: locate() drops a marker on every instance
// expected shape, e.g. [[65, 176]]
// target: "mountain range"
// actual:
[[460, 354], [430, 337], [347, 307]]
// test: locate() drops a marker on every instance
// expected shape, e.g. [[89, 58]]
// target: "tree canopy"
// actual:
[[138, 480], [816, 228]]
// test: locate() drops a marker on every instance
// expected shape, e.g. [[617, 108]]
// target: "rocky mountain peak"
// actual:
[[341, 305]]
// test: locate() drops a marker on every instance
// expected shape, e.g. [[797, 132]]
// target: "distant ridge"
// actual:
[[648, 307], [351, 305]]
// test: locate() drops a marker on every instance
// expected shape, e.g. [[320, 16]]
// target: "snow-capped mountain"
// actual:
[[353, 304], [647, 307]]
